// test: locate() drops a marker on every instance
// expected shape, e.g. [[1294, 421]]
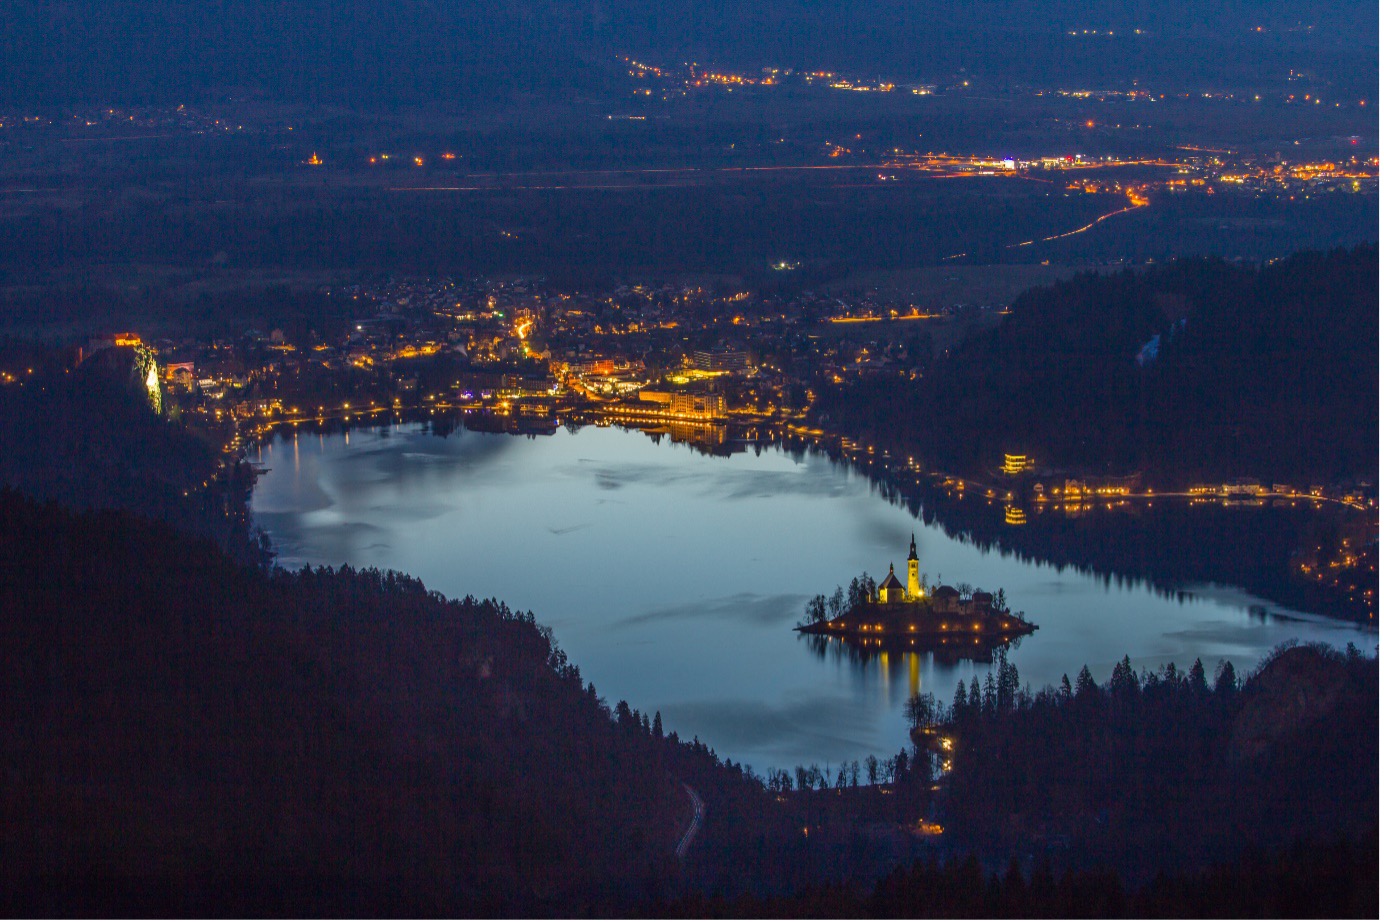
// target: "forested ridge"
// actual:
[[1170, 771], [1164, 794], [1197, 370]]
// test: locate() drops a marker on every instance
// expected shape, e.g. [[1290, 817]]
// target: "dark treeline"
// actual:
[[1335, 881], [1168, 771], [1269, 373], [1169, 794], [187, 735]]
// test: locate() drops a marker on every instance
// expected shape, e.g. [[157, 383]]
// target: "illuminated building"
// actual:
[[891, 590], [112, 341], [671, 405], [698, 406], [720, 360], [915, 591], [1016, 464]]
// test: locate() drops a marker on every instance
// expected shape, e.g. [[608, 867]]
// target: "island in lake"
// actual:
[[890, 611]]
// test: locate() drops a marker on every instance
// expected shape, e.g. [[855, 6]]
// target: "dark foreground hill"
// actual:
[[183, 735]]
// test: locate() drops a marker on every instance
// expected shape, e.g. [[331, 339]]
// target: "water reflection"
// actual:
[[869, 654], [674, 578]]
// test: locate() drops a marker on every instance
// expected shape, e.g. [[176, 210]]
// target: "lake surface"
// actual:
[[674, 579]]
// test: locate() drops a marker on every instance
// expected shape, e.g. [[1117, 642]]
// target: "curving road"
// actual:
[[698, 812]]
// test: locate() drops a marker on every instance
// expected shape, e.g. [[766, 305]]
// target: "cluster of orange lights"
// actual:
[[418, 159]]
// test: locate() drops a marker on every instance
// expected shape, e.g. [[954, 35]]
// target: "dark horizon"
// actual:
[[439, 53]]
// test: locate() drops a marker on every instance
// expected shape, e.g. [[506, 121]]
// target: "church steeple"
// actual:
[[915, 591]]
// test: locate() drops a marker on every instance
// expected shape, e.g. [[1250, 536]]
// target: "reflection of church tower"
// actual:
[[914, 590]]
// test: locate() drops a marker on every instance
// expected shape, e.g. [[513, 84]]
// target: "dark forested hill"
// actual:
[[86, 438], [185, 736], [1196, 370], [1165, 795], [1172, 771]]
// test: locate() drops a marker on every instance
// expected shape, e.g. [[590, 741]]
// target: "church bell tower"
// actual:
[[914, 590]]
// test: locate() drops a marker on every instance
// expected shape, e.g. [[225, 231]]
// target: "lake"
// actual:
[[673, 579]]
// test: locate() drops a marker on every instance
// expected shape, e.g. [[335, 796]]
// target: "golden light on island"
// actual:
[[893, 609]]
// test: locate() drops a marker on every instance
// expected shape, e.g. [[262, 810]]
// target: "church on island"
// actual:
[[939, 614]]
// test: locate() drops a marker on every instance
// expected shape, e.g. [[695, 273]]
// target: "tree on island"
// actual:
[[841, 603], [861, 592], [836, 605], [924, 711]]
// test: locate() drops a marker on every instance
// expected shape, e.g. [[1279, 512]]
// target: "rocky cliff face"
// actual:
[[1290, 695]]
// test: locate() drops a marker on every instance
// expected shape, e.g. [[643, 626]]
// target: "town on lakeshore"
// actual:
[[721, 368], [890, 611]]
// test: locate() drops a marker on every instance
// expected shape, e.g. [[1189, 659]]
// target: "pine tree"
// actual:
[[1225, 680], [1196, 678], [959, 701], [1085, 683], [1124, 684], [1007, 686]]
